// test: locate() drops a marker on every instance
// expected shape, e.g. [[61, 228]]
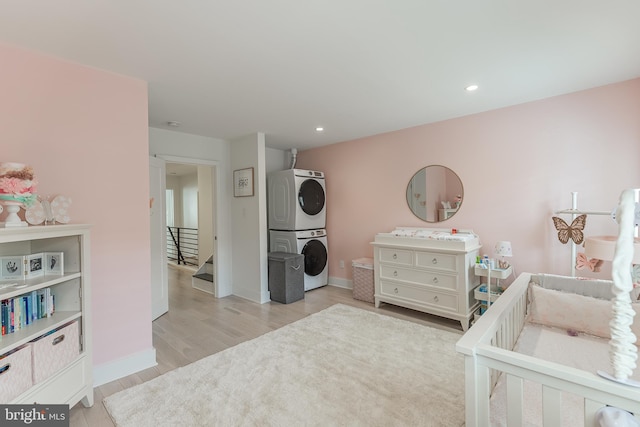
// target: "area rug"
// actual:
[[342, 366]]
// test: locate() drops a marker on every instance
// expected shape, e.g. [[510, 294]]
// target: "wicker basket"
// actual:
[[363, 279]]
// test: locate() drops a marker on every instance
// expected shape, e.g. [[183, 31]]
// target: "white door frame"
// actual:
[[158, 240], [214, 197]]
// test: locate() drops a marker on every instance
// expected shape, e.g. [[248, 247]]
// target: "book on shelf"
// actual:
[[23, 310]]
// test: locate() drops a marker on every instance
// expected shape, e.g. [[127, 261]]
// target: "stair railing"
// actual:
[[182, 245]]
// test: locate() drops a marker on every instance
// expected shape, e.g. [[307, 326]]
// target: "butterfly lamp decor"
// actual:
[[568, 232], [591, 264], [49, 211]]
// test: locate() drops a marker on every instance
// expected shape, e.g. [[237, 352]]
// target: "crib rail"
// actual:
[[487, 349]]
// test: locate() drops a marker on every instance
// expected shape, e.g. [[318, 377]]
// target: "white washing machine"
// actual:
[[296, 200], [310, 243]]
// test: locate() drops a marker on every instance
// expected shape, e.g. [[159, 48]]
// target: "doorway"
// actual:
[[188, 193]]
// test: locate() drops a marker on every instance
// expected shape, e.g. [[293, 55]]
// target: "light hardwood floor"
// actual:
[[198, 325]]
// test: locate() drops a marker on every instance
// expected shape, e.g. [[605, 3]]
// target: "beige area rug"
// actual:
[[342, 366]]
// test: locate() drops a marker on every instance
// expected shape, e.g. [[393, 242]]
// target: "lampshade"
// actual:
[[503, 248], [604, 247]]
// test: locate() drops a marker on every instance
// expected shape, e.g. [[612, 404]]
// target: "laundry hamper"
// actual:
[[363, 279]]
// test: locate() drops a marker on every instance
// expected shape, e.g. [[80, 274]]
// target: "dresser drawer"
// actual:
[[421, 295], [396, 256], [430, 278], [436, 261]]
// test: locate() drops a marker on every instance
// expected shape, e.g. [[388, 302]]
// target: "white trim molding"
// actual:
[[122, 367]]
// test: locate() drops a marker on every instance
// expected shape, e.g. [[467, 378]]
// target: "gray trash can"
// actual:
[[286, 277]]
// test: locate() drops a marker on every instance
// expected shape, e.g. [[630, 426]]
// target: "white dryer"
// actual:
[[310, 243], [296, 200]]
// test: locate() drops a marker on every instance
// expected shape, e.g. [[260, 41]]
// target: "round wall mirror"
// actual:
[[435, 193]]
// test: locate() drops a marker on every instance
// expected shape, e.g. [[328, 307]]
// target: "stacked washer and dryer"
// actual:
[[297, 220]]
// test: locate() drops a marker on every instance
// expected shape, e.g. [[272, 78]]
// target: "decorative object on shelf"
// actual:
[[503, 249], [53, 263], [33, 265], [623, 352], [12, 268], [592, 264], [573, 231], [17, 189], [243, 182], [48, 211]]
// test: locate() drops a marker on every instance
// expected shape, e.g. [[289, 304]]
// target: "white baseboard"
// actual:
[[340, 283], [122, 367]]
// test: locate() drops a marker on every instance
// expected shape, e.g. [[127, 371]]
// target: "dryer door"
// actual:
[[311, 197], [315, 257]]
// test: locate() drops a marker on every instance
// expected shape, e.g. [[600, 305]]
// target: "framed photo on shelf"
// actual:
[[243, 182], [54, 263], [34, 265], [12, 268]]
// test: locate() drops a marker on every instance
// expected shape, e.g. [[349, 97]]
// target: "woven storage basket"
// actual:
[[363, 279], [15, 374]]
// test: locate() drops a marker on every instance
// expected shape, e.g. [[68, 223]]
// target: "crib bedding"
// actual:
[[585, 352]]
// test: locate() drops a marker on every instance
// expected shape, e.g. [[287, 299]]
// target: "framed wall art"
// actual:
[[243, 182]]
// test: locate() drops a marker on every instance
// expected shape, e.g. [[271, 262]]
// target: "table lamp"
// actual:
[[503, 249]]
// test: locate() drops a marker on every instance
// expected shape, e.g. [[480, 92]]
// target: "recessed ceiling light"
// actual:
[[471, 88], [319, 129], [174, 124]]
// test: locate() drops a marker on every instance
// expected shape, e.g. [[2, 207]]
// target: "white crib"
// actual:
[[487, 348]]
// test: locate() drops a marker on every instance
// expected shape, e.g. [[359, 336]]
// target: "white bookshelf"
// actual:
[[72, 293]]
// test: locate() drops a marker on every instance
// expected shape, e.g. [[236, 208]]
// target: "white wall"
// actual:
[[173, 183], [206, 212], [277, 160], [189, 200], [198, 148], [249, 225]]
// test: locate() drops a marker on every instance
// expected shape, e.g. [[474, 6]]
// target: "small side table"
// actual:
[[488, 293]]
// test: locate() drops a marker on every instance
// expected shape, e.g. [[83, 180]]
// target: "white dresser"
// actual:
[[428, 270]]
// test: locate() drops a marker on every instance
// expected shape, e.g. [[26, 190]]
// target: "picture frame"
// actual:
[[34, 265], [53, 263], [12, 267], [243, 182]]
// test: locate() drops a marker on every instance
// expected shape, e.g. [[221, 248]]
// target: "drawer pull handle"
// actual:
[[58, 340], [395, 256], [435, 298], [395, 290], [434, 261], [5, 368], [435, 280], [395, 273]]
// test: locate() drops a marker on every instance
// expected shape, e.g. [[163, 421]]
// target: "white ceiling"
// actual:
[[228, 68]]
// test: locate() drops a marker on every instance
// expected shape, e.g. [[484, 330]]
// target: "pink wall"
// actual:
[[517, 166], [85, 132]]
